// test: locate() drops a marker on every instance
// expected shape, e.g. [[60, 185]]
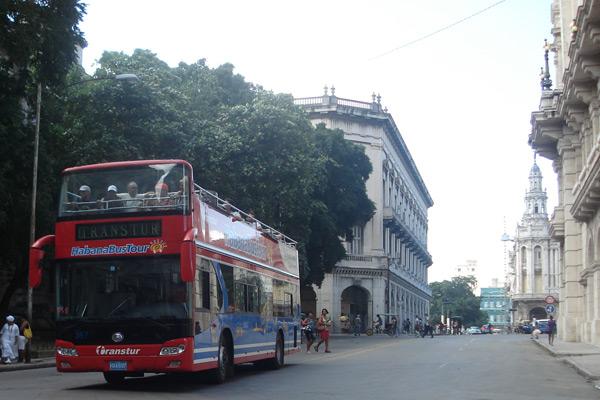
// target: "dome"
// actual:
[[535, 170]]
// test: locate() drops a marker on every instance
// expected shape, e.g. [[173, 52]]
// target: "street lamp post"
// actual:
[[36, 146]]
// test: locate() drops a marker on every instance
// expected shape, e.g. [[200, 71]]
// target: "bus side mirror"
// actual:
[[36, 256], [187, 265]]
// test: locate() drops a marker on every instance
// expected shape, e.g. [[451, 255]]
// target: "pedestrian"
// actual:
[[323, 326], [308, 327], [551, 330], [9, 336], [408, 324], [394, 326], [357, 325]]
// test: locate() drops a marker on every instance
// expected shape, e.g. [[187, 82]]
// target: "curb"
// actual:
[[21, 367], [581, 370], [547, 348], [565, 358]]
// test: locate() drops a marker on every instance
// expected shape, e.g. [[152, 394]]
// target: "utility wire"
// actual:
[[437, 31]]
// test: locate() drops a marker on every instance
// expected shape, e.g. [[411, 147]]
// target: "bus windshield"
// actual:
[[121, 289], [145, 189]]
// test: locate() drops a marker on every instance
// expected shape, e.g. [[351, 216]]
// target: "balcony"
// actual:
[[393, 220], [363, 261], [532, 296]]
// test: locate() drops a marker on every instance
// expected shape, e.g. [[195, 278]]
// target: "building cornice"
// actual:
[[360, 111]]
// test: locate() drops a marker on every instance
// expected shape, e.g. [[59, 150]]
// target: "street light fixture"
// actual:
[[36, 145]]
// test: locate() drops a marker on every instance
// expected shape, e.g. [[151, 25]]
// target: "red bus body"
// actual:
[[237, 280]]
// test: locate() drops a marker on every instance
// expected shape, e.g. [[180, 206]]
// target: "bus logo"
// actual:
[[117, 337], [103, 351], [157, 246]]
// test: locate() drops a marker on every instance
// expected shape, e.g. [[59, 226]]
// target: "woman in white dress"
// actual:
[[9, 335]]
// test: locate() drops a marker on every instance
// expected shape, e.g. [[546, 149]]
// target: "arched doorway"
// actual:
[[355, 300], [538, 313], [309, 300]]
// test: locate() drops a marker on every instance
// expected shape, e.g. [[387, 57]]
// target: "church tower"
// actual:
[[535, 262]]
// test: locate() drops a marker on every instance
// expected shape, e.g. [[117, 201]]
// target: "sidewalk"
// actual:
[[585, 358], [35, 363]]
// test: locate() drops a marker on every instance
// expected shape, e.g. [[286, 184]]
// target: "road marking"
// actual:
[[357, 352], [443, 365]]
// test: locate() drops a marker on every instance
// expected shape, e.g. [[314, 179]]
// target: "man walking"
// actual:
[[551, 330], [357, 325]]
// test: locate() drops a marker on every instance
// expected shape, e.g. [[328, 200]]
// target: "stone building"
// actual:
[[535, 261], [496, 304], [565, 129], [385, 271], [469, 269]]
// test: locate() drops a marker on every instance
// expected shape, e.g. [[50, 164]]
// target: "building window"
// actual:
[[537, 257], [356, 244]]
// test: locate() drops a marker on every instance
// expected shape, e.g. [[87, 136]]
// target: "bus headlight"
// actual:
[[172, 350], [67, 351]]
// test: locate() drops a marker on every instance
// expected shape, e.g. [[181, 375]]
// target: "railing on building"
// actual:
[[390, 214], [333, 100]]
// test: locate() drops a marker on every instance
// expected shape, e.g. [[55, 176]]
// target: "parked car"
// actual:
[[473, 330], [524, 328], [485, 329]]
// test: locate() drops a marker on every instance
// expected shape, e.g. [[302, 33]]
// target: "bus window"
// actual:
[[282, 299], [202, 286], [227, 273], [247, 298]]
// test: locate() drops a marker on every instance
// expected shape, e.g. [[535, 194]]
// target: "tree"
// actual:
[[38, 41], [339, 202], [457, 298], [252, 146]]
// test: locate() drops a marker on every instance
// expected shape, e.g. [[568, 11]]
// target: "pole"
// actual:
[[36, 147]]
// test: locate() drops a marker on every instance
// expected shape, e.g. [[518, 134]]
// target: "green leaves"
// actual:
[[252, 146], [457, 298]]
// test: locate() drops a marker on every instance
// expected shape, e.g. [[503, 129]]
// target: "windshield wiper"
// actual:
[[119, 306]]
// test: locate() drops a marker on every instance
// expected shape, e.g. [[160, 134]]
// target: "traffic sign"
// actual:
[[550, 308], [550, 300]]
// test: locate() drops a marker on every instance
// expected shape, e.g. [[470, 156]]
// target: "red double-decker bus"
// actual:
[[155, 274]]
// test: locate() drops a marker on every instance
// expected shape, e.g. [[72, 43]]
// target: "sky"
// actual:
[[462, 98]]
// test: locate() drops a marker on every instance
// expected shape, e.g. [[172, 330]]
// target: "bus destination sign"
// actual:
[[118, 230]]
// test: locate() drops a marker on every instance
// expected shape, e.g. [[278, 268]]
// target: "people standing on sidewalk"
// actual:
[[357, 325], [9, 335], [551, 330], [323, 326], [308, 327]]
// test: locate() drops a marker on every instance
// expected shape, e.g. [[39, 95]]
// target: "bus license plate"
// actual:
[[117, 365]]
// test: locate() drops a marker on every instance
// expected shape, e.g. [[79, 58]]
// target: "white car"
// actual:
[[473, 331]]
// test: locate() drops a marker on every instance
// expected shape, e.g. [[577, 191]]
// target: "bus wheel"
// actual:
[[224, 369], [114, 378], [277, 361]]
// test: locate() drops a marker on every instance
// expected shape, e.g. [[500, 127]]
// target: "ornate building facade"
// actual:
[[535, 261], [385, 271], [565, 129]]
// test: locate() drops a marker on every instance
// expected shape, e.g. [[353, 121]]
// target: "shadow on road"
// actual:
[[177, 383]]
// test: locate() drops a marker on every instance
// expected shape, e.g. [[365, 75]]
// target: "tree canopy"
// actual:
[[458, 299], [38, 43], [250, 145]]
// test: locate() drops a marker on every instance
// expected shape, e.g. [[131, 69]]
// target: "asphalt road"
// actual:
[[465, 367]]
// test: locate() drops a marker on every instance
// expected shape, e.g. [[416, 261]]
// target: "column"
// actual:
[[571, 293]]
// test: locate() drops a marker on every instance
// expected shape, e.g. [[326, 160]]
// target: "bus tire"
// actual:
[[225, 369], [114, 378], [278, 361]]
